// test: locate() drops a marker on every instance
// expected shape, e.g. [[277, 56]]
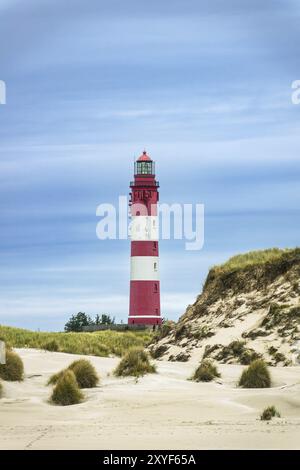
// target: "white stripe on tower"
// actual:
[[144, 228], [144, 268]]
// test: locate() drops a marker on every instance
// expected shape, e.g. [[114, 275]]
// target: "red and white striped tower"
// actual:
[[144, 308]]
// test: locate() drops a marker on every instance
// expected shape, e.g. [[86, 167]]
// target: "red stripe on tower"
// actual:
[[144, 308]]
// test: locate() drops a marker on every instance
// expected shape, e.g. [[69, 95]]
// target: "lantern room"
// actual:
[[144, 165]]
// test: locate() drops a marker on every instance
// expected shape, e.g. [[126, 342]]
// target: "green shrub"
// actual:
[[1, 390], [55, 377], [51, 345], [274, 316], [256, 333], [272, 350], [85, 374], [136, 363], [181, 331], [164, 330], [203, 332], [13, 370], [237, 347], [269, 413], [206, 372], [208, 350], [248, 356], [256, 376], [279, 357], [66, 392], [294, 312], [159, 351]]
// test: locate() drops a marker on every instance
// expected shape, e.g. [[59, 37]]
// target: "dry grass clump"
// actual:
[[181, 331], [206, 372], [158, 351], [256, 375], [66, 392], [55, 377], [248, 356], [163, 331], [135, 363], [13, 370], [85, 374], [269, 413]]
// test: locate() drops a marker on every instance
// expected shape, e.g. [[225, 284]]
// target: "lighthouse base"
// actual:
[[144, 305]]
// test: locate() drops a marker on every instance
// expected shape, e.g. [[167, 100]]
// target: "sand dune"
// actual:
[[160, 411]]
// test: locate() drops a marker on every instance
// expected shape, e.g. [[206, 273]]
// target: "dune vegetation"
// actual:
[[206, 372], [13, 369], [258, 257], [98, 343], [67, 392], [256, 375], [269, 413], [85, 374], [135, 363]]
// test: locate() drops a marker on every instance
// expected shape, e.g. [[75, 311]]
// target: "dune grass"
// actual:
[[135, 363], [13, 369], [257, 257], [85, 374], [1, 390], [51, 345], [99, 343], [67, 392], [269, 413], [206, 372], [256, 375]]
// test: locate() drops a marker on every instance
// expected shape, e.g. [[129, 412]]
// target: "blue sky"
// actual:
[[204, 87]]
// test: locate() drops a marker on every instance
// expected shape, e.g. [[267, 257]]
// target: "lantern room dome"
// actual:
[[144, 165], [144, 157]]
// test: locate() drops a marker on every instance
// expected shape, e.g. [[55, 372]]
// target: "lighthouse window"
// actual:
[[154, 246], [155, 266], [155, 287], [144, 168]]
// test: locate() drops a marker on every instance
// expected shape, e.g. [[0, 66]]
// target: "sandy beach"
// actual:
[[159, 411]]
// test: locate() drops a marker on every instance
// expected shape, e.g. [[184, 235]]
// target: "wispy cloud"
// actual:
[[205, 88]]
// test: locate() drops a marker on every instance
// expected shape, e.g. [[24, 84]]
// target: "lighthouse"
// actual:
[[144, 304]]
